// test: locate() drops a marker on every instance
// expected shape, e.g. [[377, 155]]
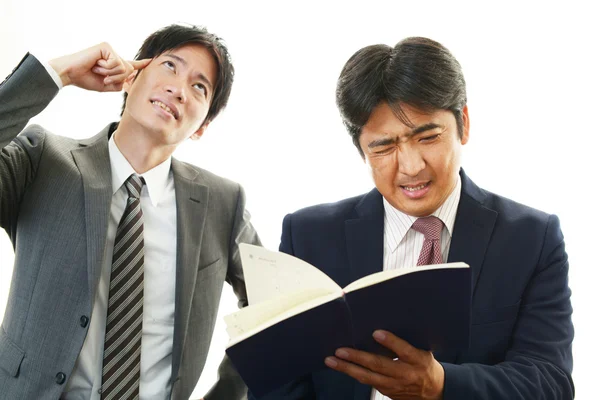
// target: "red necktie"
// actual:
[[431, 228]]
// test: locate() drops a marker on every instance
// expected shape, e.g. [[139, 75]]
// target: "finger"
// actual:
[[361, 374], [109, 80], [400, 347], [108, 72], [373, 362], [139, 64], [108, 61], [118, 70], [131, 76], [113, 87]]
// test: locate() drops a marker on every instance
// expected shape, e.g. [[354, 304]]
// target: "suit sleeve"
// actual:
[[23, 94], [229, 384], [539, 362], [301, 388]]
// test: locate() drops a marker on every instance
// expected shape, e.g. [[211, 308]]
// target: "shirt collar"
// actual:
[[156, 179], [396, 223]]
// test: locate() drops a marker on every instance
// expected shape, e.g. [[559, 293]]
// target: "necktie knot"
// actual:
[[430, 227], [134, 185]]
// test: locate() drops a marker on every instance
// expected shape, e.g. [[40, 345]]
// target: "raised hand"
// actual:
[[97, 68], [415, 374]]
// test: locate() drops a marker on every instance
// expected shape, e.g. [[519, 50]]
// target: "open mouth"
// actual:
[[415, 188], [416, 191], [164, 107]]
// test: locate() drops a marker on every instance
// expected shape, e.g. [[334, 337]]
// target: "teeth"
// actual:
[[164, 107], [413, 189]]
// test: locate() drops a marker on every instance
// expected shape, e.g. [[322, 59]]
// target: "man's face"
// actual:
[[414, 168], [170, 98]]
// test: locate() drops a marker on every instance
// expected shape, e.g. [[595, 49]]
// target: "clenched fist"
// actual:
[[98, 68]]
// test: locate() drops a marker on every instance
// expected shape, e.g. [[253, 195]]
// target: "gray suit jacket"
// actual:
[[55, 196]]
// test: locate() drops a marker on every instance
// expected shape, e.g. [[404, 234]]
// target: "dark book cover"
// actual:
[[430, 309], [292, 348]]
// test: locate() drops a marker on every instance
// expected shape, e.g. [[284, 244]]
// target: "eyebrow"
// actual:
[[200, 75], [424, 128], [415, 131]]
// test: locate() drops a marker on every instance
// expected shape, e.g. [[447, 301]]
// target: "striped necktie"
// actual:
[[123, 337]]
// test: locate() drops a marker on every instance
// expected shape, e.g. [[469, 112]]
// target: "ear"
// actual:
[[466, 125], [196, 135], [129, 81]]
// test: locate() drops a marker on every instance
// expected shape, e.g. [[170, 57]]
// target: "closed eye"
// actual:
[[385, 151], [430, 138]]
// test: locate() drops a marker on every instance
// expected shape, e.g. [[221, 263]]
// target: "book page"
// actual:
[[269, 274], [253, 319], [252, 316], [373, 279]]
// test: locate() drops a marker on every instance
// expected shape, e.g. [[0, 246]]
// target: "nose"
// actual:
[[410, 161], [176, 90]]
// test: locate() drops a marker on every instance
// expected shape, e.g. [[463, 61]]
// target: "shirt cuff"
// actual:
[[53, 74]]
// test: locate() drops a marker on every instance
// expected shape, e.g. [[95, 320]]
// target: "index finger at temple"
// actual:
[[139, 64]]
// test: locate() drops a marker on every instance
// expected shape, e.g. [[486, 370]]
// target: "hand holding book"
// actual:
[[294, 302], [412, 373]]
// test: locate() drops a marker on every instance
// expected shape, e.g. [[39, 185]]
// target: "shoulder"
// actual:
[[37, 138], [514, 213], [515, 222], [508, 211], [220, 188], [323, 219], [329, 211]]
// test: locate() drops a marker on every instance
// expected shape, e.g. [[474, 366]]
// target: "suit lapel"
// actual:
[[192, 204], [472, 232], [364, 242], [472, 229], [93, 163], [364, 237]]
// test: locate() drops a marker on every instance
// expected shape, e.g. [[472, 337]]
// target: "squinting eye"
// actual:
[[384, 151], [429, 138], [169, 64]]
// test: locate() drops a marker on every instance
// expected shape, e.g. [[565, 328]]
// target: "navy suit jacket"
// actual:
[[521, 331]]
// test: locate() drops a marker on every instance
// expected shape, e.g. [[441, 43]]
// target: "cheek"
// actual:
[[442, 160], [383, 169], [197, 113]]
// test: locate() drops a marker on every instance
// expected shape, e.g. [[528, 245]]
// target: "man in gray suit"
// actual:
[[121, 251]]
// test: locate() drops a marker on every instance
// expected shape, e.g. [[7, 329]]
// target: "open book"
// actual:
[[298, 315]]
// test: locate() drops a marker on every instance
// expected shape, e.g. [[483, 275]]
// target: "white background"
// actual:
[[532, 84]]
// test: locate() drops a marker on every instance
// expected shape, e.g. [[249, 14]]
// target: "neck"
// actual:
[[138, 148]]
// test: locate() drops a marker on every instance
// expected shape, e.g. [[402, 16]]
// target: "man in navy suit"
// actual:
[[406, 110]]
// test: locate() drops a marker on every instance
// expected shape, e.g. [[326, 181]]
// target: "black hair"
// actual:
[[175, 36], [418, 72]]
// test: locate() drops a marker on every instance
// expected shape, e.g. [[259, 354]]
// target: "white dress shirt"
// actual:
[[402, 245], [160, 244]]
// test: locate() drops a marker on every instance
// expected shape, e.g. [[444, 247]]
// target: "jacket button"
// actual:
[[61, 378], [83, 321]]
